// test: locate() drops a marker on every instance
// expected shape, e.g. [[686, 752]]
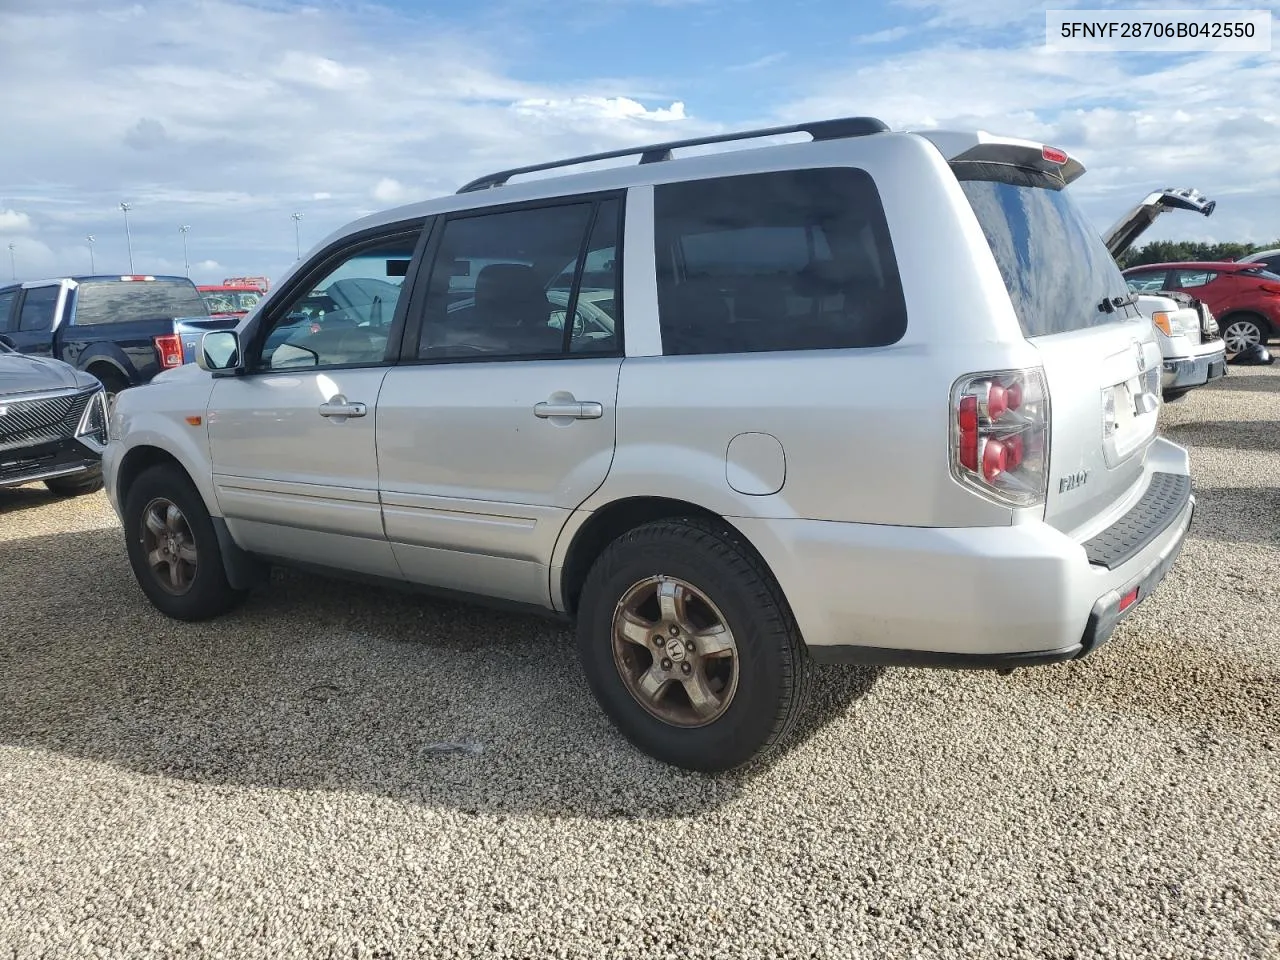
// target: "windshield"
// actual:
[[124, 301], [1055, 266]]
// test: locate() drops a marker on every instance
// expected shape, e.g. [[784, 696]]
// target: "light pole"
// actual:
[[13, 260], [128, 238], [186, 261], [92, 267], [297, 235]]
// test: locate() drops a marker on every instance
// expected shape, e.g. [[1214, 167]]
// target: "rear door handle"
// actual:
[[576, 409], [339, 408]]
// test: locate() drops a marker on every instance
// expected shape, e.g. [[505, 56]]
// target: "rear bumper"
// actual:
[[1195, 370], [986, 597]]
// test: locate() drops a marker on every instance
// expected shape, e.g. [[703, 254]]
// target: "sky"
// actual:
[[229, 116]]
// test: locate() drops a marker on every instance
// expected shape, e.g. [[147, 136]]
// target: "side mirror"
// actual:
[[219, 350], [8, 342]]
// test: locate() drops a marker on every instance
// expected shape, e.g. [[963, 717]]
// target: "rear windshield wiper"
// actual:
[[1112, 304]]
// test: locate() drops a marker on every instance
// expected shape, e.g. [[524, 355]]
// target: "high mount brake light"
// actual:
[[1000, 435], [1054, 155]]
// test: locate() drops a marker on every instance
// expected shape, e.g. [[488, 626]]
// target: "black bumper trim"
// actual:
[[1106, 613], [848, 653], [56, 458], [1164, 501]]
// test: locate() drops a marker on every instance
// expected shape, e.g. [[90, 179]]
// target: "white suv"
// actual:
[[875, 397]]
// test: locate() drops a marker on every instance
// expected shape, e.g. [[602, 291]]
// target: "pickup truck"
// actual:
[[1190, 344], [123, 330]]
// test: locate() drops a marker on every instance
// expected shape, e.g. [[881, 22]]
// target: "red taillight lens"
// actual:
[[1270, 288], [1054, 155], [169, 349], [999, 444]]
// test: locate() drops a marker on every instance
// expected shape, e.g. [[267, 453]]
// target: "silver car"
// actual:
[[876, 397]]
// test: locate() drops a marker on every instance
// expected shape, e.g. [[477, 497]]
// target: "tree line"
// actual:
[[1169, 251]]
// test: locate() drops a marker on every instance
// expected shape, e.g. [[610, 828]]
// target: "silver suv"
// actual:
[[874, 397]]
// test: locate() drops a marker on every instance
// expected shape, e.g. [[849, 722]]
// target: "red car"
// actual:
[[1244, 297]]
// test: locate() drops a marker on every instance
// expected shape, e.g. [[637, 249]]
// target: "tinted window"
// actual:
[[1053, 261], [345, 316], [796, 260], [38, 308], [1183, 279], [519, 268], [126, 301], [1148, 282], [6, 307]]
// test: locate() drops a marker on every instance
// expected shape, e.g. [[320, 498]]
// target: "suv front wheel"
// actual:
[[689, 646], [173, 547]]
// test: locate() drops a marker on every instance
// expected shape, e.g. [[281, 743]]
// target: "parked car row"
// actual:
[[122, 330], [730, 414], [1191, 346]]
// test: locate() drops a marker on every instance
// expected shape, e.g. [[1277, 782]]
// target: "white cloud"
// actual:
[[600, 108], [319, 111], [389, 190], [1137, 124], [13, 220]]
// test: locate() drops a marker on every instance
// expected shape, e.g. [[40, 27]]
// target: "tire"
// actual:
[[113, 383], [76, 485], [1242, 330], [200, 590], [760, 697]]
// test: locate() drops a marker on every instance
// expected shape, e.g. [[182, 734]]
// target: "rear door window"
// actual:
[[1055, 266], [792, 260], [125, 301], [38, 308]]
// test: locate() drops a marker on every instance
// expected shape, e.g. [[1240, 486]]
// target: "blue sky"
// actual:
[[229, 115]]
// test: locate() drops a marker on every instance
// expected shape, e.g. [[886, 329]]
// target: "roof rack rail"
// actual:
[[835, 129]]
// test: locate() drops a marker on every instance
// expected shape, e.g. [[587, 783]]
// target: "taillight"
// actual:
[[169, 349], [1270, 288], [1054, 155], [1000, 435]]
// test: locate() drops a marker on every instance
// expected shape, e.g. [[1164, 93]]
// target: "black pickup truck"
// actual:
[[121, 329]]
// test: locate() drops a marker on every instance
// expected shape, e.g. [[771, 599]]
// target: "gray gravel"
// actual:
[[262, 786]]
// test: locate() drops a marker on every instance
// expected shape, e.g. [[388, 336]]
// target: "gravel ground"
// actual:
[[263, 786]]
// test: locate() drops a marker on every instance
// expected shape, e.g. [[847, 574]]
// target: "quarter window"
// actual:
[[1187, 279], [37, 309], [503, 283], [795, 260], [6, 307], [344, 317]]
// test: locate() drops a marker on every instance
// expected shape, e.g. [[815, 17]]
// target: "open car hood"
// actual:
[[1122, 234]]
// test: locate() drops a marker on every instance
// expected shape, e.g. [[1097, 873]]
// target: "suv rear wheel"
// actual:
[[689, 646], [173, 548]]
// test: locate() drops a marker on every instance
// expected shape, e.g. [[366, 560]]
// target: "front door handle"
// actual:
[[339, 408], [575, 409]]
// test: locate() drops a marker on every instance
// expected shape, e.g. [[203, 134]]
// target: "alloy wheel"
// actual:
[[169, 545], [675, 652]]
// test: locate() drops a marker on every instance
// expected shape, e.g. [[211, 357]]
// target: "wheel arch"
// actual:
[[596, 529], [243, 570]]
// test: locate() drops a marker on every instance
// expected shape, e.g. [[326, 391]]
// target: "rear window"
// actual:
[[124, 301], [1055, 266], [793, 260]]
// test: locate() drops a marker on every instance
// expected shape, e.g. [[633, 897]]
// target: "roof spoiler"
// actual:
[[1122, 234], [982, 147]]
